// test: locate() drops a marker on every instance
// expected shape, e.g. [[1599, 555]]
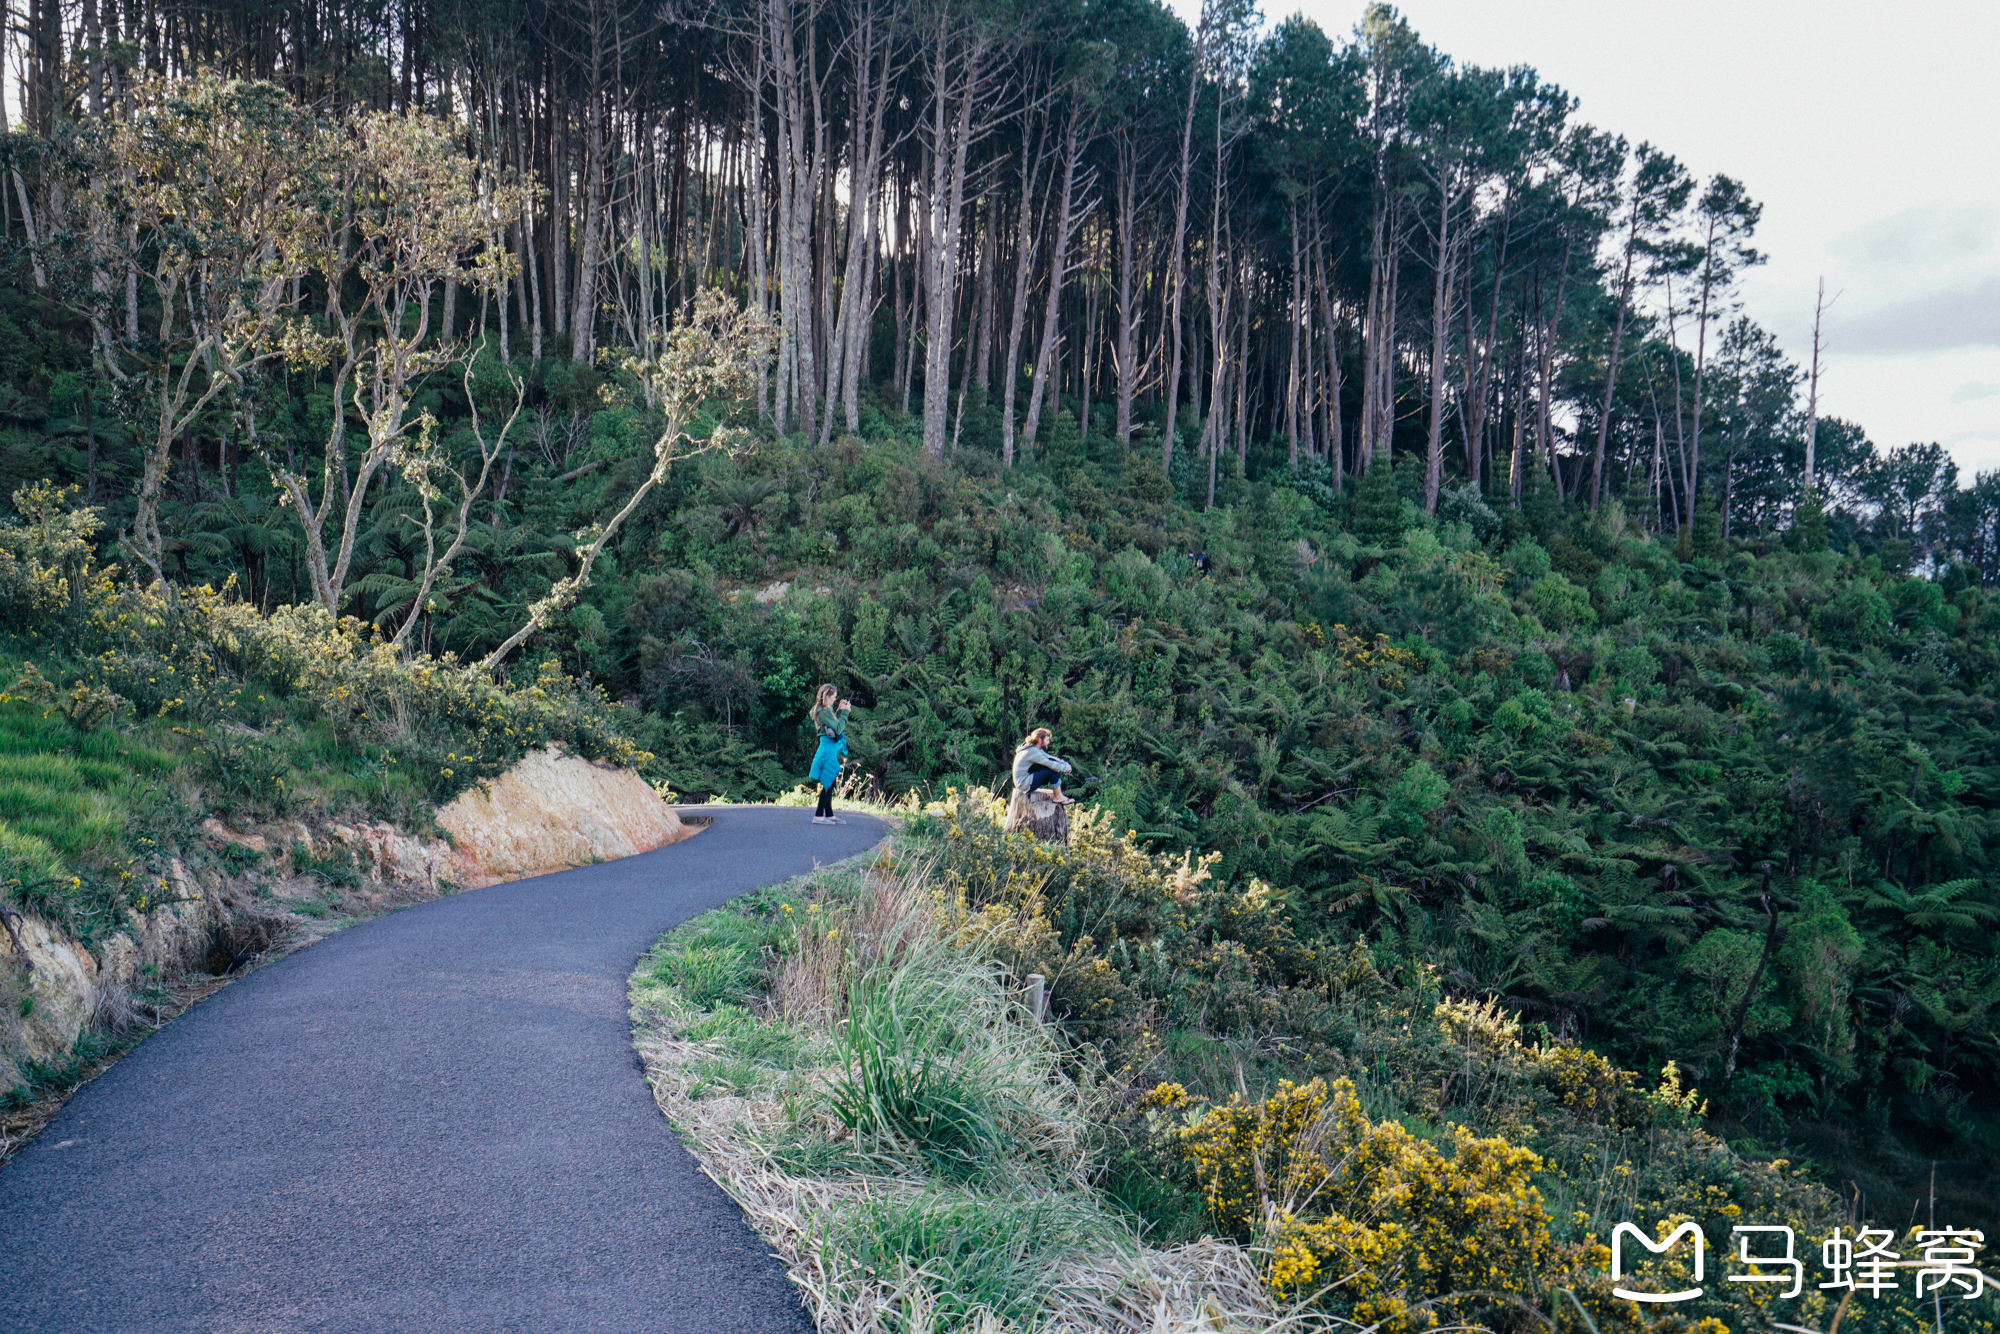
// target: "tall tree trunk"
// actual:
[[1177, 258], [1611, 366], [593, 217], [1220, 290], [801, 160], [1378, 387], [1294, 313], [1479, 357], [1026, 236], [1701, 370], [1129, 314], [1336, 447], [556, 140], [872, 69], [961, 75], [1441, 297], [988, 298], [1065, 231], [1812, 394], [1545, 371]]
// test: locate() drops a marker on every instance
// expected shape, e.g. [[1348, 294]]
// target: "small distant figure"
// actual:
[[1035, 768], [1199, 559], [829, 719]]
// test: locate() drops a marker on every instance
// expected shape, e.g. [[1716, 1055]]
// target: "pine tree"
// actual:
[[1378, 507], [1707, 533], [1064, 451], [1808, 531], [1540, 505]]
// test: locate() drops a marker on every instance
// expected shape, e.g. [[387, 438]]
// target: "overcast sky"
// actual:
[[1870, 132]]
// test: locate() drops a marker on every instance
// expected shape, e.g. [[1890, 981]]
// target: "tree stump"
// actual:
[[1037, 814]]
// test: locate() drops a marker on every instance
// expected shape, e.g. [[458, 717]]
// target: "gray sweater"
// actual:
[[1032, 755]]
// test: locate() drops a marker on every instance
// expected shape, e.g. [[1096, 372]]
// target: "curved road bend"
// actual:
[[431, 1121]]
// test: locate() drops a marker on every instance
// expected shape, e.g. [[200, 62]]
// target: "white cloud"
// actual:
[[1960, 315], [1934, 237], [1972, 391]]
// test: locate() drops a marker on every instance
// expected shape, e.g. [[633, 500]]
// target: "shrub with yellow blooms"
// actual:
[[187, 655], [1365, 1219]]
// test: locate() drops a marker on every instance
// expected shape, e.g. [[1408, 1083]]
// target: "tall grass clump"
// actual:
[[974, 1255], [935, 1058]]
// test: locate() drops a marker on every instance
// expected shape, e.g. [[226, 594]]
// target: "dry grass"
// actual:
[[810, 987], [1109, 1282]]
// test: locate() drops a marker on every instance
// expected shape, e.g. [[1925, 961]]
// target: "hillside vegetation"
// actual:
[[1358, 459], [135, 711], [1731, 807], [1205, 1137]]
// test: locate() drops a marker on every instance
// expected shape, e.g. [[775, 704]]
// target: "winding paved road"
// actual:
[[432, 1121]]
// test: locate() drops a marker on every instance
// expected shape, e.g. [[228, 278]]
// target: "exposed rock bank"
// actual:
[[53, 988], [550, 812]]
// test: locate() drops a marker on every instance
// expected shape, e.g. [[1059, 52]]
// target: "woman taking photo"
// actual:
[[830, 721]]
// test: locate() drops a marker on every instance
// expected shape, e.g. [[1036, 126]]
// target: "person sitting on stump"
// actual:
[[1035, 768], [830, 721]]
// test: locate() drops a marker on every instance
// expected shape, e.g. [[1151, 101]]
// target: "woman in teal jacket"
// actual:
[[830, 721]]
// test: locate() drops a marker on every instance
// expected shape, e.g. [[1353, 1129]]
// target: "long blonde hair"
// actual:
[[823, 699], [1041, 736]]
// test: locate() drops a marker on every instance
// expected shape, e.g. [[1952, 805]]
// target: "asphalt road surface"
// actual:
[[431, 1121]]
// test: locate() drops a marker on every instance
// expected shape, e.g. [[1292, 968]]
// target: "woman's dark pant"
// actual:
[[1041, 776], [825, 806]]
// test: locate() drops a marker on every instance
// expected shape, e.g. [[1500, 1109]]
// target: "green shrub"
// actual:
[[1853, 618], [974, 1254], [1634, 664], [1561, 605]]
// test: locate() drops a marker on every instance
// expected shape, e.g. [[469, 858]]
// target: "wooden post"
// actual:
[[1037, 996]]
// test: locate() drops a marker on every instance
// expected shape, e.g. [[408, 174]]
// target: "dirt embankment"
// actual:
[[269, 889]]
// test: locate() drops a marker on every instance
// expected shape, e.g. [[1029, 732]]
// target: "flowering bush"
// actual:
[[51, 584], [190, 656], [1121, 933], [1372, 1222]]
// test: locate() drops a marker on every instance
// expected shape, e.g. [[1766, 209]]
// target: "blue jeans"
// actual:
[[1041, 776]]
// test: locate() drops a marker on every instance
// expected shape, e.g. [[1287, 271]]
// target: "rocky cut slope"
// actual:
[[268, 889]]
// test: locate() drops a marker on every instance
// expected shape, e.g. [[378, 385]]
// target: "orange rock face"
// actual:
[[552, 812]]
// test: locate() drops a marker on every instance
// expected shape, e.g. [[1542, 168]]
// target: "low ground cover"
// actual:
[[1216, 1125], [872, 1093]]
